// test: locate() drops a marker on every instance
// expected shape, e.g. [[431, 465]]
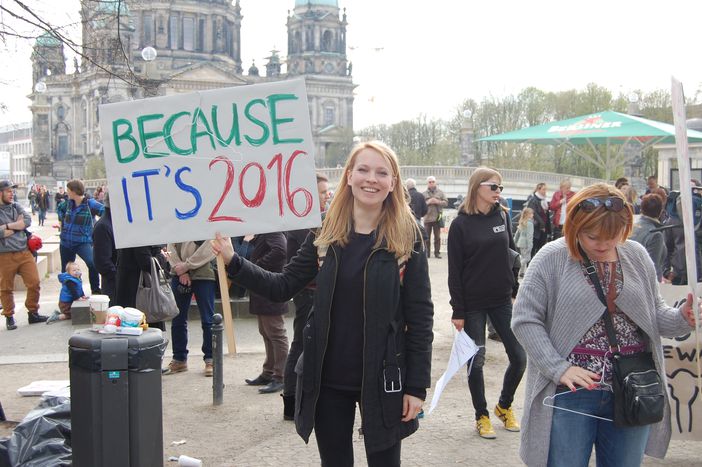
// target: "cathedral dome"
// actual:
[[48, 40], [334, 3]]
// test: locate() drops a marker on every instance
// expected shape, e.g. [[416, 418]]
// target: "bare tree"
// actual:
[[23, 20]]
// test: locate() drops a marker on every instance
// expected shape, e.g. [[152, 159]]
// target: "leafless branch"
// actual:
[[30, 18]]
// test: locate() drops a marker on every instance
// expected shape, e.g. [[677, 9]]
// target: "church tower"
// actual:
[[317, 38], [47, 58], [317, 51]]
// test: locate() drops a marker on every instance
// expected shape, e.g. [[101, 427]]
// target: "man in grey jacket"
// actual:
[[15, 258], [436, 202]]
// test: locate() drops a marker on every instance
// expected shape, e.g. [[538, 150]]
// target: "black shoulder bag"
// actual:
[[639, 395]]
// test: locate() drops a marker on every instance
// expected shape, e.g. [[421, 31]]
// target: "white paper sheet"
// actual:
[[463, 350]]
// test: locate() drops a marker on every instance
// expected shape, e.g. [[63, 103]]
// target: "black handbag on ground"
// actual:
[[639, 395]]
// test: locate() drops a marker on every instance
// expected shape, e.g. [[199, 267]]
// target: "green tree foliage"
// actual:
[[422, 141], [95, 168], [426, 141]]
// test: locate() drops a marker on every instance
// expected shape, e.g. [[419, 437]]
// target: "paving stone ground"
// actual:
[[248, 429]]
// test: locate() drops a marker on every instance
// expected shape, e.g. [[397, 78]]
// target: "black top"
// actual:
[[417, 203], [104, 251], [480, 265], [343, 361]]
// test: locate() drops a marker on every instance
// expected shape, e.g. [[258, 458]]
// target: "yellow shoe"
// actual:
[[484, 427], [507, 417]]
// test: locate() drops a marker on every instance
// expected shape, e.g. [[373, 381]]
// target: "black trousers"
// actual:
[[303, 304], [333, 428], [474, 326]]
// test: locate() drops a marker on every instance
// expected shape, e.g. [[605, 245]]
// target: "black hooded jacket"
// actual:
[[397, 331], [480, 265]]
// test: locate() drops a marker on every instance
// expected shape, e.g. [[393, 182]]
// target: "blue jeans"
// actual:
[[204, 291], [85, 251], [474, 326], [573, 435]]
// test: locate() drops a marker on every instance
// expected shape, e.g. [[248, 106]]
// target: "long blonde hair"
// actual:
[[524, 219], [397, 228], [480, 175]]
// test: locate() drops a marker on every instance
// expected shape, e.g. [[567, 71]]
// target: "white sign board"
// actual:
[[236, 160], [681, 368]]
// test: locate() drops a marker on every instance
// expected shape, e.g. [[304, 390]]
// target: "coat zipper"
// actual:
[[326, 340], [363, 373]]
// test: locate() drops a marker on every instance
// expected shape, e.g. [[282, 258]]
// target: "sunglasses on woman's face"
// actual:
[[611, 204], [493, 186]]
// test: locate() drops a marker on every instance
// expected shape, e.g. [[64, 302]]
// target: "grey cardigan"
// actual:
[[553, 310]]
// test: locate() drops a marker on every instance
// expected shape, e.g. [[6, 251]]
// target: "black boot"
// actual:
[[10, 323], [288, 407], [34, 317]]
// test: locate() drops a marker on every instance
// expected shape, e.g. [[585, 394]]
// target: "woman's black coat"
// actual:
[[269, 252], [397, 330], [130, 263]]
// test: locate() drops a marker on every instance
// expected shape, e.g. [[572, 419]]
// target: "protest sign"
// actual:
[[236, 160], [680, 356]]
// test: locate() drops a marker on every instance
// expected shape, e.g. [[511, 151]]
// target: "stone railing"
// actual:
[[454, 179], [454, 173]]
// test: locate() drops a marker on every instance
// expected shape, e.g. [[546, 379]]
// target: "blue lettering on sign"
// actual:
[[113, 374]]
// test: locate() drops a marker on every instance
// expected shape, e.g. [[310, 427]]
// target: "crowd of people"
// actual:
[[363, 326], [657, 224]]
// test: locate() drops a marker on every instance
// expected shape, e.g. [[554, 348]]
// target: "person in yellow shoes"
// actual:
[[482, 282]]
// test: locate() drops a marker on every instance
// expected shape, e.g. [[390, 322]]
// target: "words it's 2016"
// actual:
[[277, 166]]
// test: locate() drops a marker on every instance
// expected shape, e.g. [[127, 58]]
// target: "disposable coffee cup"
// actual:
[[98, 310], [131, 317], [187, 461]]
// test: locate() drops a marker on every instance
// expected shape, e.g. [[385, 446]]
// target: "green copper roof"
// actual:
[[111, 6], [48, 40], [317, 2]]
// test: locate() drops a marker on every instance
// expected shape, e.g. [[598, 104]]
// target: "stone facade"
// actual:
[[16, 153], [198, 44]]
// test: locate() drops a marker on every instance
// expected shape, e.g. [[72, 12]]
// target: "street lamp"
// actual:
[[149, 54], [150, 85]]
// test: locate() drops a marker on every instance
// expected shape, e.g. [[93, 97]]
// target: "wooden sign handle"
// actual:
[[226, 306]]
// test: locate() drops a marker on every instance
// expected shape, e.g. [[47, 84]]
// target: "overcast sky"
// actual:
[[415, 57]]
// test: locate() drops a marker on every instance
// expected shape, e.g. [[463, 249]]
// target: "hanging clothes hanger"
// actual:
[[549, 400]]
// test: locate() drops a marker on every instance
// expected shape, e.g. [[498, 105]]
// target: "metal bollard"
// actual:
[[217, 356]]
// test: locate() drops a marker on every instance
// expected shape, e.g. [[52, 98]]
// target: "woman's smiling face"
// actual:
[[371, 178]]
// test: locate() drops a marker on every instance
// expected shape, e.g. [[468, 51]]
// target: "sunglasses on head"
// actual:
[[493, 186], [612, 203]]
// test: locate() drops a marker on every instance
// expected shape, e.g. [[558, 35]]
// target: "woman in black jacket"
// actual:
[[368, 337], [131, 262], [482, 282]]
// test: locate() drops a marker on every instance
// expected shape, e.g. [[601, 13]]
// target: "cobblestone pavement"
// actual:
[[248, 429]]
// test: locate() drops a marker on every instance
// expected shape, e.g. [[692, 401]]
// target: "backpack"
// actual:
[[673, 206]]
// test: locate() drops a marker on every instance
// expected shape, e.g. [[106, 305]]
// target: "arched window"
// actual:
[[62, 141], [329, 114], [327, 39], [188, 33], [309, 38], [297, 41]]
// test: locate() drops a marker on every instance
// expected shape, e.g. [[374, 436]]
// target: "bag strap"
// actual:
[[606, 316]]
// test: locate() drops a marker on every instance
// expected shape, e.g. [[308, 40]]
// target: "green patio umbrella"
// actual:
[[606, 128]]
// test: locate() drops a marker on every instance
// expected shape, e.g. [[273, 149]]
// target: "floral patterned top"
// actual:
[[592, 352]]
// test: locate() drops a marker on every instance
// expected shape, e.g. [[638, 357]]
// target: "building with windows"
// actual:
[[16, 153], [198, 47]]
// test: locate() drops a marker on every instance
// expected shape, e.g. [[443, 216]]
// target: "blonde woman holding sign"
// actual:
[[368, 338]]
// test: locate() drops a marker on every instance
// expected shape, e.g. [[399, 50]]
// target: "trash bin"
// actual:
[[116, 415]]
